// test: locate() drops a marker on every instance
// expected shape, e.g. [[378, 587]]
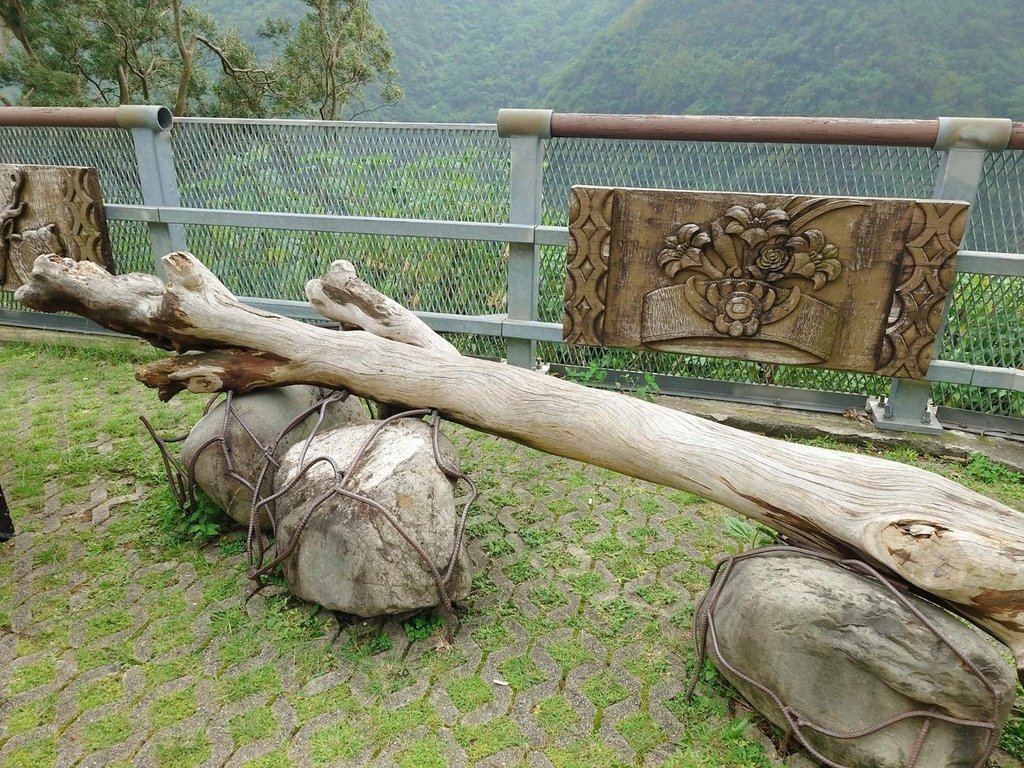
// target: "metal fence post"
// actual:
[[964, 143], [151, 137], [527, 129]]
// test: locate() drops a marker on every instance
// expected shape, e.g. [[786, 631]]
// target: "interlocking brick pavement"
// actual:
[[121, 646]]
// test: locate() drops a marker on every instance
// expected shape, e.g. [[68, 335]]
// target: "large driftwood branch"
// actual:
[[941, 537]]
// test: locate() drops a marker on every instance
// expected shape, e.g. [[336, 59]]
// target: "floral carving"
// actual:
[[739, 310], [754, 259]]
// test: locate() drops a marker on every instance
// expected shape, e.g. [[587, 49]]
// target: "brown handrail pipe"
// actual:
[[155, 118], [981, 133], [788, 130]]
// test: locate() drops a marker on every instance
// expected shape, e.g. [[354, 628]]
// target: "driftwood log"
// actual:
[[944, 539]]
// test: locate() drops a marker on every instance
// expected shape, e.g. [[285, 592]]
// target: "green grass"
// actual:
[[32, 714], [484, 740], [99, 692], [173, 707], [105, 732], [31, 676], [36, 754], [423, 753], [189, 751], [520, 672], [604, 690], [568, 654], [143, 618], [252, 725], [260, 680], [641, 731], [589, 753], [555, 715], [468, 693]]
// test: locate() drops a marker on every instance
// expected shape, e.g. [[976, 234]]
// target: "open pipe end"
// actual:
[[144, 116]]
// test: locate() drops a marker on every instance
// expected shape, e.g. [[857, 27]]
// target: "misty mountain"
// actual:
[[871, 58], [461, 60]]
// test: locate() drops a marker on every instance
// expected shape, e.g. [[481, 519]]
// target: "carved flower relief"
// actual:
[[740, 306], [814, 258], [685, 250], [750, 256], [758, 224]]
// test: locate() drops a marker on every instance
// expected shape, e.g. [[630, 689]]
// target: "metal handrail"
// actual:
[[938, 133], [128, 116]]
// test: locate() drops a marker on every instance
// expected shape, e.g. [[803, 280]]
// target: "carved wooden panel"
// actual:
[[846, 283], [49, 209]]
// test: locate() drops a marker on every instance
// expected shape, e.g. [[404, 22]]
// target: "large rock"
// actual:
[[841, 651], [349, 558], [265, 413]]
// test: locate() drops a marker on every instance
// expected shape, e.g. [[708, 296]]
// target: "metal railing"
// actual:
[[465, 224]]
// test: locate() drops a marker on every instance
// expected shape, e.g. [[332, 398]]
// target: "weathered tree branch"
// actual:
[[342, 296], [939, 536]]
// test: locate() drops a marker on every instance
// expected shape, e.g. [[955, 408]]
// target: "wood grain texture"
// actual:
[[342, 296], [49, 209], [941, 537], [845, 283]]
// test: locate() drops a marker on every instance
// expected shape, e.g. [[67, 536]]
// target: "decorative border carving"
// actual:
[[927, 272], [590, 215]]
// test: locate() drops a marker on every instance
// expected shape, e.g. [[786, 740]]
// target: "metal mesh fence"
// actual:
[[461, 173], [985, 322], [453, 173], [109, 150]]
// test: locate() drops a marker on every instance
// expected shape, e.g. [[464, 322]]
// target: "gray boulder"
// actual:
[[840, 650], [265, 413], [348, 557]]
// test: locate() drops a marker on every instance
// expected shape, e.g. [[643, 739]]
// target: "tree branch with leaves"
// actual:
[[104, 52]]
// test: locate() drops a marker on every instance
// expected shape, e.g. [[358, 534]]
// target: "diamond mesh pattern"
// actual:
[[782, 168], [108, 149], [441, 172], [461, 173], [997, 218], [423, 274]]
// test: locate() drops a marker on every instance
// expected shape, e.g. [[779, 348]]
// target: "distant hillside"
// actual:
[[461, 60], [894, 58]]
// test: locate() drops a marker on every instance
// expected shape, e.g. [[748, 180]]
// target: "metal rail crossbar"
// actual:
[[510, 175]]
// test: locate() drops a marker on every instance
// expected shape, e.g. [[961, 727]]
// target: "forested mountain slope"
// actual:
[[461, 60], [465, 59], [895, 58]]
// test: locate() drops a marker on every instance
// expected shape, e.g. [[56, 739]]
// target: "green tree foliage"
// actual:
[[461, 60], [464, 59], [108, 52]]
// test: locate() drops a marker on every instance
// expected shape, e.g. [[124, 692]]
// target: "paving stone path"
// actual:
[[120, 645]]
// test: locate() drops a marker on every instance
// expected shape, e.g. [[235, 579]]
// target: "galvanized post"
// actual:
[[964, 143], [150, 127], [527, 129]]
